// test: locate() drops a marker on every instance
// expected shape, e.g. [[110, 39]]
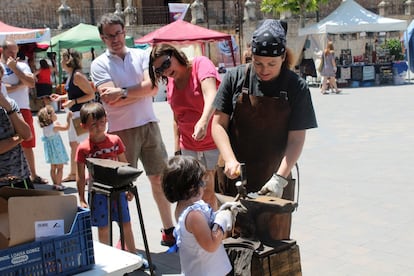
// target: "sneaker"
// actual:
[[145, 264], [167, 237]]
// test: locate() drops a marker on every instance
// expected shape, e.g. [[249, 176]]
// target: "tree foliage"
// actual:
[[299, 7]]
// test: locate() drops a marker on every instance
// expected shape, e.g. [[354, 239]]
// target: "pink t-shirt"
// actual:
[[188, 103]]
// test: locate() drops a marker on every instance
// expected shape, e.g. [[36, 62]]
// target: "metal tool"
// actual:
[[241, 185]]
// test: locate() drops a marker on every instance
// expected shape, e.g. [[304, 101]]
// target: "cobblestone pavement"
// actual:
[[355, 207]]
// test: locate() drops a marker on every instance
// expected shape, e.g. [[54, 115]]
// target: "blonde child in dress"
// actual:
[[55, 152]]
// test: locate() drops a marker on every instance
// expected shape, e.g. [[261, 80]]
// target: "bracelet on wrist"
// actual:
[[76, 101]]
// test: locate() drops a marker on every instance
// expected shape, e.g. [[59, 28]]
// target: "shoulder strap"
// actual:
[[246, 82]]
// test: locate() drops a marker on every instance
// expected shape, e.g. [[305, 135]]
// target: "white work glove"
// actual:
[[274, 187], [224, 219], [233, 206]]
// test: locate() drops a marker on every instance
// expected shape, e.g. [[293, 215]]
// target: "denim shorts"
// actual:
[[99, 210]]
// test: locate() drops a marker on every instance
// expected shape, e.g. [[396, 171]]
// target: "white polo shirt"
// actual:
[[124, 73]]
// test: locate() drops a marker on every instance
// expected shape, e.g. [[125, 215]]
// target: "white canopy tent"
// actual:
[[349, 17]]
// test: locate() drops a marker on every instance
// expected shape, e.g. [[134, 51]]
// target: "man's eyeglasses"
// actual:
[[164, 66], [113, 36]]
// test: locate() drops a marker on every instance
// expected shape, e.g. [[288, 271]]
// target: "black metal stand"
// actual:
[[113, 193]]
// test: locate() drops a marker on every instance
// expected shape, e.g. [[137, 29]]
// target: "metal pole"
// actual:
[[208, 27], [92, 11], [241, 29], [239, 21]]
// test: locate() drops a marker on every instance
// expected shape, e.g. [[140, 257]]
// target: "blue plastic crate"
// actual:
[[64, 255]]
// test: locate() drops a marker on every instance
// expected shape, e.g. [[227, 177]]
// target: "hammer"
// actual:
[[241, 185]]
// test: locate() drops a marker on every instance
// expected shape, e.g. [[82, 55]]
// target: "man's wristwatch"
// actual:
[[124, 93]]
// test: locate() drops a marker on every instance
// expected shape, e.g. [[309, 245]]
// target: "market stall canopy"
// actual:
[[81, 37], [183, 32], [350, 17], [22, 35]]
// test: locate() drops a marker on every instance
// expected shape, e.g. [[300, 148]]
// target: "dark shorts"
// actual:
[[99, 209], [28, 118], [43, 90]]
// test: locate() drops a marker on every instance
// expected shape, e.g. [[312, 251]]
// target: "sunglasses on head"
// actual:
[[164, 66]]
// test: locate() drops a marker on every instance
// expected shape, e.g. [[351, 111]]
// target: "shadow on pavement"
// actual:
[[165, 264]]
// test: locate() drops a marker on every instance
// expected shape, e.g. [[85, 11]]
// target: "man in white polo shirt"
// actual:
[[121, 77]]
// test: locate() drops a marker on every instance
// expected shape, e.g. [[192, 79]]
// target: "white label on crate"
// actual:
[[49, 228]]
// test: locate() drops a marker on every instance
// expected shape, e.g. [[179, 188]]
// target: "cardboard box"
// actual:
[[21, 208]]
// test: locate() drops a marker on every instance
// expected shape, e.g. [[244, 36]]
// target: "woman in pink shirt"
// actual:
[[191, 89]]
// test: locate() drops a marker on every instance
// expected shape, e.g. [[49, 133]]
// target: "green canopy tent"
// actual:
[[82, 37]]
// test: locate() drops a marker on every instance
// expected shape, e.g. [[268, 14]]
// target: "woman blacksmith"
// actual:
[[263, 110]]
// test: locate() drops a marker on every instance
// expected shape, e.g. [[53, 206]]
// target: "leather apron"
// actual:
[[258, 134]]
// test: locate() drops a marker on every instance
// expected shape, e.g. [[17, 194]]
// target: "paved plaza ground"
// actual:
[[355, 214]]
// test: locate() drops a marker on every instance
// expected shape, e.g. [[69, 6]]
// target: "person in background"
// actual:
[[262, 112], [329, 68], [14, 170], [199, 231], [121, 77], [191, 88], [18, 78], [54, 149], [104, 146], [79, 92], [44, 81]]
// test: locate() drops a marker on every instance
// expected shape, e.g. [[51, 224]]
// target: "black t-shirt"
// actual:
[[302, 113]]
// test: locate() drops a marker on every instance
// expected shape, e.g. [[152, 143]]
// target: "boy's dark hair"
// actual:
[[95, 110], [111, 19], [182, 178]]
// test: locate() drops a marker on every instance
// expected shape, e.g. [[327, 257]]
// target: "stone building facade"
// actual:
[[39, 13], [223, 15]]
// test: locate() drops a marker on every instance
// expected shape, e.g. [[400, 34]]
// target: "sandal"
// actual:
[[39, 180], [59, 187], [69, 178]]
